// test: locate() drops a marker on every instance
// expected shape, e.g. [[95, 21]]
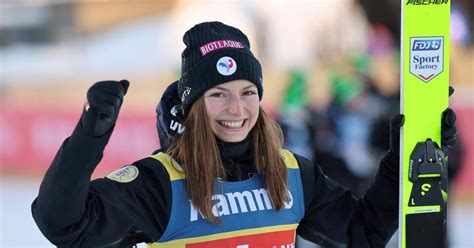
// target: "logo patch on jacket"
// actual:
[[125, 174]]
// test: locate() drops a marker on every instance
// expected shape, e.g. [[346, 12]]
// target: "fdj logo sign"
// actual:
[[426, 57], [426, 45]]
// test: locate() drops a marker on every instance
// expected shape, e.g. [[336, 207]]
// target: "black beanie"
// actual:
[[215, 53]]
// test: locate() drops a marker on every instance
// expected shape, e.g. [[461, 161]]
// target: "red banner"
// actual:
[[30, 138], [465, 178], [280, 239]]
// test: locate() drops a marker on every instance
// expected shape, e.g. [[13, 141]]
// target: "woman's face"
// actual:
[[232, 109]]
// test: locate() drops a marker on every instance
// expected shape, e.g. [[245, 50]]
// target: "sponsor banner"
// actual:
[[281, 239], [30, 138]]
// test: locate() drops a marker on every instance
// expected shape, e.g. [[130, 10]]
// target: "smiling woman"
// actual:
[[222, 180]]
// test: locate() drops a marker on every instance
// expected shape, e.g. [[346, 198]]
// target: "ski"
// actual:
[[424, 86]]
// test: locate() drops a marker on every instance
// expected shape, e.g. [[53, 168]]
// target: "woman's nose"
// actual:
[[235, 106]]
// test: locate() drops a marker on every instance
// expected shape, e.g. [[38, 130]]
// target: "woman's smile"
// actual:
[[232, 109]]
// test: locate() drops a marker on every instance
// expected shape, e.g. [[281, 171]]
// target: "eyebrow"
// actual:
[[245, 88]]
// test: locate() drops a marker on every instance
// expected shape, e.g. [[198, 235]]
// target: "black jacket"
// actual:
[[73, 211]]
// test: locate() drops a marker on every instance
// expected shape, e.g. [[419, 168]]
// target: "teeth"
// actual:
[[232, 123]]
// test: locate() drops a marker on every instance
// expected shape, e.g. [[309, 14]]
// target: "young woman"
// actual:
[[223, 181]]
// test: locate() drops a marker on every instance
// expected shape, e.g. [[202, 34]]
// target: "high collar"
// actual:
[[235, 150]]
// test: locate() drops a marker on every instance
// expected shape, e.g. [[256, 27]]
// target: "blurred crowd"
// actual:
[[349, 135], [338, 82]]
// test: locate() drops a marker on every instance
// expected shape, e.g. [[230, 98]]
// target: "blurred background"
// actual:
[[331, 79]]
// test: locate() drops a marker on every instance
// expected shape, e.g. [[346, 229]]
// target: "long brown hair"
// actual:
[[198, 153]]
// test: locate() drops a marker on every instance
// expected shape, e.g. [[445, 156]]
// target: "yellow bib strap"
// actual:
[[172, 167], [289, 158], [176, 172]]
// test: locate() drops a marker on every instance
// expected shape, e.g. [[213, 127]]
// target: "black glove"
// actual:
[[395, 124], [102, 107], [448, 130], [169, 116]]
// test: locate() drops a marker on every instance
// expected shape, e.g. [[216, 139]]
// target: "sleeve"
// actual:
[[335, 218], [72, 211]]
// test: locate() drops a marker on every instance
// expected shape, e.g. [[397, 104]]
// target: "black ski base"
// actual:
[[427, 230]]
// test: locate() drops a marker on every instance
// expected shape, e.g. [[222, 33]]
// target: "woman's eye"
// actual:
[[217, 94], [249, 93]]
